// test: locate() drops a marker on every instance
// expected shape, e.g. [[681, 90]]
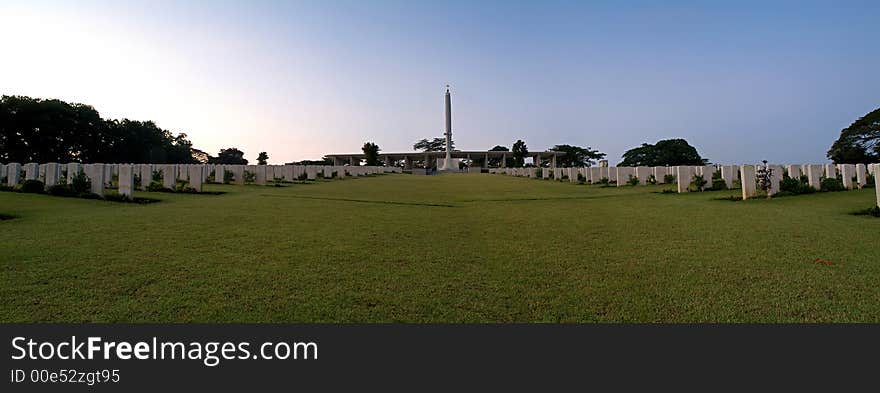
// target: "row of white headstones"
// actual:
[[852, 175], [195, 175]]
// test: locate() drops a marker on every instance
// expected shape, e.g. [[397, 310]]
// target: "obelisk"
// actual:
[[447, 163]]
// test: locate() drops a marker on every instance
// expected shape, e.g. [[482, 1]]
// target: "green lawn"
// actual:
[[451, 248]]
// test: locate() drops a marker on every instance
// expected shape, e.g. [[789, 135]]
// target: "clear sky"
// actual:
[[740, 80]]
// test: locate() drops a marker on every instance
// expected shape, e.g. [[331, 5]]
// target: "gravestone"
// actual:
[[814, 176], [13, 174], [545, 173], [623, 175], [644, 174], [727, 172], [683, 174], [125, 179], [146, 172], [877, 182], [31, 171], [747, 178], [312, 172], [196, 177], [182, 173], [573, 175], [260, 174], [73, 169], [794, 171], [96, 173], [612, 174], [861, 175], [707, 171], [660, 174], [830, 171], [775, 178], [237, 174], [52, 172], [219, 174], [847, 171], [595, 174], [169, 176]]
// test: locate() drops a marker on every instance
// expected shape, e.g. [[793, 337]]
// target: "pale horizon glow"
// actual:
[[742, 82]]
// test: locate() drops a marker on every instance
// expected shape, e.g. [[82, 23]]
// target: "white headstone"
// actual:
[[794, 171], [146, 173], [53, 171], [31, 171], [219, 174], [73, 169], [196, 177], [623, 175], [775, 178], [861, 175], [830, 171], [13, 174], [847, 172], [747, 178], [683, 176], [96, 173], [312, 172], [707, 171], [660, 174], [814, 176], [644, 174], [169, 176], [260, 174], [126, 179], [727, 173]]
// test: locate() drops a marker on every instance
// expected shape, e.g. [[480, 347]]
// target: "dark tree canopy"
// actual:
[[262, 158], [230, 156], [520, 151], [37, 130], [666, 152], [859, 143], [371, 151], [436, 144], [576, 156]]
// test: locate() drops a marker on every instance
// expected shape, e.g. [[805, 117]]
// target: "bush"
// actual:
[[633, 181], [830, 184], [604, 181], [61, 190], [668, 179], [227, 176], [870, 180], [652, 179], [303, 176], [719, 184], [668, 190], [552, 175], [697, 183], [33, 187], [156, 186], [249, 177], [795, 186], [581, 178], [4, 187], [80, 184]]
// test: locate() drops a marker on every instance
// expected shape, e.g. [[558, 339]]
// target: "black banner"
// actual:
[[40, 357]]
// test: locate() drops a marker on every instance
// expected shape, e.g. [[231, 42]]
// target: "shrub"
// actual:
[[158, 175], [303, 176], [668, 191], [581, 178], [80, 184], [61, 190], [249, 177], [830, 184], [604, 181], [4, 187], [156, 186], [697, 183], [33, 187], [870, 180], [719, 184], [795, 186], [137, 180], [652, 179], [633, 181], [228, 176], [552, 175], [668, 179]]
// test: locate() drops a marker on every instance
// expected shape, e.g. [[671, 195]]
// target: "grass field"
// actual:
[[451, 248]]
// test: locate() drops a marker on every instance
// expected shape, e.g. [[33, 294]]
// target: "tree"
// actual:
[[37, 130], [859, 143], [230, 156], [371, 151], [262, 158], [576, 156], [520, 151], [666, 152], [436, 144]]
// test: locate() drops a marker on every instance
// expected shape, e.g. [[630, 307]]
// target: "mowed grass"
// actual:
[[450, 248]]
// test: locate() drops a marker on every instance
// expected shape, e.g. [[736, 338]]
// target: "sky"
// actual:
[[742, 81]]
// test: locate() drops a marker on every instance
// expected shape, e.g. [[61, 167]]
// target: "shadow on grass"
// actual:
[[362, 200], [871, 212], [4, 217]]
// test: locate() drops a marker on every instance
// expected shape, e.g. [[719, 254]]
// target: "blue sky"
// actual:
[[742, 81]]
